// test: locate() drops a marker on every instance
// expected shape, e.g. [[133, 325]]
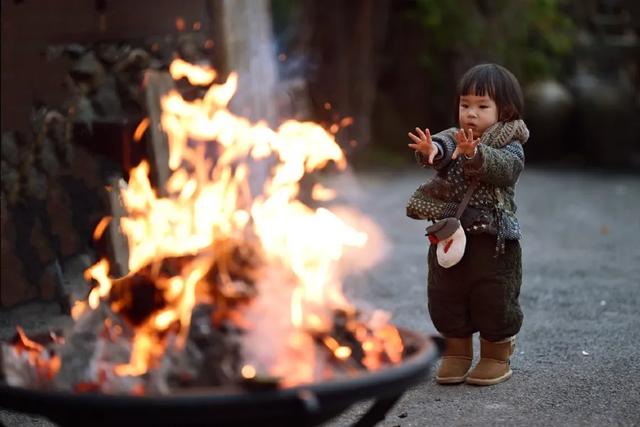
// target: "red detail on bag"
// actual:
[[448, 246], [433, 239]]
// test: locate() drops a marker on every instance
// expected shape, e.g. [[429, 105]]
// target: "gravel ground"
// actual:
[[576, 361]]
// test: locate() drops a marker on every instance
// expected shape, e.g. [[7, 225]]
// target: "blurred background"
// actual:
[[74, 91], [393, 65]]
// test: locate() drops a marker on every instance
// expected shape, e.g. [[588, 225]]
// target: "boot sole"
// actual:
[[451, 380], [489, 381]]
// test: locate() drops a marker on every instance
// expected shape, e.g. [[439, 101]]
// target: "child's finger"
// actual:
[[423, 137], [455, 154], [414, 138], [432, 156], [459, 137], [417, 147], [465, 137]]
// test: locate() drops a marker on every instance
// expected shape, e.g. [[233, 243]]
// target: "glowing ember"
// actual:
[[248, 372], [217, 261]]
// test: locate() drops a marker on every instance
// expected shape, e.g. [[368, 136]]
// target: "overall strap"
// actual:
[[467, 196]]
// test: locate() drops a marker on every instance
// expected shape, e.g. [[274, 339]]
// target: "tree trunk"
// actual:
[[347, 36], [245, 32]]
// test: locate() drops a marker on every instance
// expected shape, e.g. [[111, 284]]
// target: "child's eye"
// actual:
[[484, 106], [464, 105]]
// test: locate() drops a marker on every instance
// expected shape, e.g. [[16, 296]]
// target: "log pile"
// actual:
[[54, 179]]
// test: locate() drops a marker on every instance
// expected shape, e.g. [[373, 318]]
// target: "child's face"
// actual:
[[477, 113]]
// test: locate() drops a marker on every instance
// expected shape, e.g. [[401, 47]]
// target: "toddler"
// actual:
[[479, 293]]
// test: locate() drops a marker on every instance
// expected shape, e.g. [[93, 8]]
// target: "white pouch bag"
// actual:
[[450, 239], [448, 234]]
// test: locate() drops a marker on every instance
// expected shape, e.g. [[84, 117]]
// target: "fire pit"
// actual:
[[232, 309], [306, 405]]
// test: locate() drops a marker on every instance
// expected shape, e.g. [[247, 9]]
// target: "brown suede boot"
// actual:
[[493, 367], [456, 361]]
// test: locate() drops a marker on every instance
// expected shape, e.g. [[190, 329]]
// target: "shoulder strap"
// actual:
[[467, 196]]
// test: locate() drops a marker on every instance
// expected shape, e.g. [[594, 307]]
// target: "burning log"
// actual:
[[233, 274], [95, 342], [344, 330], [136, 297], [157, 85], [116, 242], [220, 349], [88, 359], [42, 364]]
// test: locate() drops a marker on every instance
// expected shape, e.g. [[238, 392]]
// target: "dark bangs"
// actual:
[[499, 84]]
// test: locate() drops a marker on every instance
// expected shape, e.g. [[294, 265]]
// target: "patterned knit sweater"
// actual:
[[497, 166]]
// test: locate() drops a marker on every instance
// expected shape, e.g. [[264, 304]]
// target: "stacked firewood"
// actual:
[[54, 178], [106, 80], [32, 240]]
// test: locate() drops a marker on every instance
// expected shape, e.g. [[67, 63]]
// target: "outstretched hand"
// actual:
[[423, 144], [466, 145]]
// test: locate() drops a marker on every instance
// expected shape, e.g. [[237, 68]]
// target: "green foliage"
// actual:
[[530, 37]]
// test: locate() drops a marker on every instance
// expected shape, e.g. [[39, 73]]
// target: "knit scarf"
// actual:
[[502, 133], [497, 136]]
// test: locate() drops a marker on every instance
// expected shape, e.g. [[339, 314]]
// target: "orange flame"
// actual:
[[209, 200], [45, 365], [141, 129], [101, 227], [321, 193], [26, 342], [196, 75]]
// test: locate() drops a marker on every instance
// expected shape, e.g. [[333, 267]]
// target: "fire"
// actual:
[[220, 220], [141, 129], [197, 75], [321, 193], [44, 364], [28, 344]]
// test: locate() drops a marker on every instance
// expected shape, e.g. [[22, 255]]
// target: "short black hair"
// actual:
[[499, 84]]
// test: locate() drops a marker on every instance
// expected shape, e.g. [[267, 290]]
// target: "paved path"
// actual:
[[577, 361]]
